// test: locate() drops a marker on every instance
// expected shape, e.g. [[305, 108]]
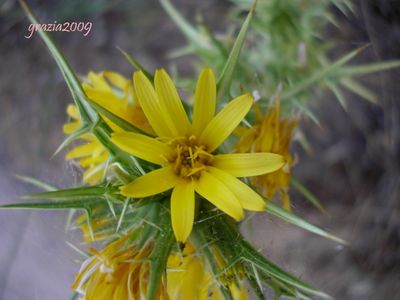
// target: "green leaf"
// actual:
[[295, 220], [240, 252], [200, 238], [88, 115], [73, 83], [77, 192], [338, 94], [158, 260], [225, 79], [35, 182], [307, 111], [135, 63], [84, 203], [307, 194], [188, 30], [250, 255], [85, 128], [321, 74], [123, 212], [360, 90], [368, 68]]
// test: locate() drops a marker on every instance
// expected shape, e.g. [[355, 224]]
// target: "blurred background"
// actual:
[[353, 169]]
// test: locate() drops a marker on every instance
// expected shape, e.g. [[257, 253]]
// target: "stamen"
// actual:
[[190, 158], [196, 170]]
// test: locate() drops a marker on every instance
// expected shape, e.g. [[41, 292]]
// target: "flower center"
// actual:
[[190, 158]]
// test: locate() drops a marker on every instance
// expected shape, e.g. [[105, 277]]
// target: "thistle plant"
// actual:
[[167, 181]]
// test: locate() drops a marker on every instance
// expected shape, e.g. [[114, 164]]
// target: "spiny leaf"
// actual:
[[73, 83], [233, 245], [188, 30], [80, 203], [307, 111], [88, 115], [159, 257], [225, 79], [360, 90], [321, 74], [338, 94], [103, 132], [85, 191], [295, 220], [85, 128], [200, 240], [369, 68], [307, 194], [134, 62], [121, 217], [36, 182]]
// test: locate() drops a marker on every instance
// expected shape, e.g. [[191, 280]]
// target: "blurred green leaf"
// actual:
[[319, 75], [76, 203], [360, 90], [307, 194], [158, 259], [188, 30], [338, 94], [85, 128], [225, 79], [36, 182], [295, 220], [73, 83], [84, 191], [135, 63], [368, 68]]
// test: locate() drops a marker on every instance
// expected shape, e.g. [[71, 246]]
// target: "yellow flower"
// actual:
[[188, 279], [118, 272], [186, 151], [115, 93], [100, 227], [121, 272], [270, 134]]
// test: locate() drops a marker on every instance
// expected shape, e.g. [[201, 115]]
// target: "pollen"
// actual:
[[190, 157]]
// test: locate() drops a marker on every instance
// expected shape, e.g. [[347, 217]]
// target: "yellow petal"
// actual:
[[94, 174], [94, 159], [116, 79], [204, 101], [98, 82], [182, 210], [247, 197], [73, 112], [142, 146], [222, 125], [169, 99], [239, 292], [152, 183], [110, 101], [82, 150], [249, 164], [156, 115], [71, 127], [218, 194]]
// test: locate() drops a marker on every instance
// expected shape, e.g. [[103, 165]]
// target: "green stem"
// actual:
[[159, 257]]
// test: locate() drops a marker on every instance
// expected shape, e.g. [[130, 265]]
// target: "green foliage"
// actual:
[[284, 47], [220, 232]]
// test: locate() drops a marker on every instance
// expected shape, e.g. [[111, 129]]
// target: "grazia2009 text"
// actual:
[[83, 27]]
